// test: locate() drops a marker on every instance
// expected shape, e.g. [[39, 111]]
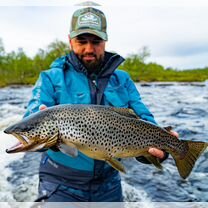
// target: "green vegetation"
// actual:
[[152, 72], [17, 68]]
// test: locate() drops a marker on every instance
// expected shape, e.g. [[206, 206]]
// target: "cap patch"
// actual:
[[89, 19]]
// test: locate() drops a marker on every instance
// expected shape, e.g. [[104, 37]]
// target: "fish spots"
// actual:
[[101, 128]]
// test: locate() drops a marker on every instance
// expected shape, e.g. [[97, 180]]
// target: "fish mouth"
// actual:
[[23, 144]]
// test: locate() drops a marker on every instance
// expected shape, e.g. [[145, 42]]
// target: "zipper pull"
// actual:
[[94, 82]]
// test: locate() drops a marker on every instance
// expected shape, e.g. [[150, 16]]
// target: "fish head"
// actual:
[[34, 133]]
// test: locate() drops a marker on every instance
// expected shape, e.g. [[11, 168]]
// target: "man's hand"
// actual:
[[42, 107], [159, 153]]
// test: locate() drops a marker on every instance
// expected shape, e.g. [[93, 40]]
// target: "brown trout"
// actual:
[[103, 133]]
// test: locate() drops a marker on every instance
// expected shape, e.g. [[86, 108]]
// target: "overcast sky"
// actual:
[[176, 32]]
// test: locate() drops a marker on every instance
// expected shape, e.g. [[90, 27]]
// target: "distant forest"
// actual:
[[16, 68]]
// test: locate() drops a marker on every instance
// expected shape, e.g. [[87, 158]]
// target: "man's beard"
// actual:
[[92, 66]]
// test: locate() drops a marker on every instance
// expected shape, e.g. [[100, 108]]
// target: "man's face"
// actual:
[[90, 50]]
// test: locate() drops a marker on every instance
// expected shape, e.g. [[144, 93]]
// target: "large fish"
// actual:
[[103, 133]]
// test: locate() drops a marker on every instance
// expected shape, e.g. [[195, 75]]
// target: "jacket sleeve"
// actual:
[[135, 102], [42, 93]]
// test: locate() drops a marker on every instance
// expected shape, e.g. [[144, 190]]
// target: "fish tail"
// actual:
[[186, 163]]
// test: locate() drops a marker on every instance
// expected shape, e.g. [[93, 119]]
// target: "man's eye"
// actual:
[[96, 42], [82, 42]]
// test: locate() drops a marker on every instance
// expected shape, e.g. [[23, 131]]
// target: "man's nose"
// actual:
[[89, 47]]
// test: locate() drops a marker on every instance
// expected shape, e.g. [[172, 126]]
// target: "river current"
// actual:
[[184, 106]]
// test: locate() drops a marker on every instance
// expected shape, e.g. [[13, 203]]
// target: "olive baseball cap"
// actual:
[[88, 20]]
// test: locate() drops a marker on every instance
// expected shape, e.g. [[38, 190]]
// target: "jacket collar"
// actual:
[[111, 62]]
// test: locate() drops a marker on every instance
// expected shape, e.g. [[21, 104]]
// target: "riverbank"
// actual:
[[148, 75], [16, 68], [142, 83], [153, 72], [142, 76]]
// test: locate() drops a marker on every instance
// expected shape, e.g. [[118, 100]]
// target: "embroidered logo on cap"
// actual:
[[89, 19]]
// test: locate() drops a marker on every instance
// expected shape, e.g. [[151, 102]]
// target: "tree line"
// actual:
[[16, 68]]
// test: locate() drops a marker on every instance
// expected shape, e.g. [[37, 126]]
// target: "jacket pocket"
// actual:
[[116, 96], [81, 98], [73, 97]]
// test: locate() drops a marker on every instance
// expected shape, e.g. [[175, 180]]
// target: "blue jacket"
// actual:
[[67, 81]]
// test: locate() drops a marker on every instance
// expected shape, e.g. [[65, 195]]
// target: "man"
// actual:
[[87, 75]]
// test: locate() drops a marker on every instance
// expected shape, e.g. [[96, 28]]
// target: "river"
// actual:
[[184, 106]]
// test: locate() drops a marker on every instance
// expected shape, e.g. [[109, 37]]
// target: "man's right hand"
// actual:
[[42, 107]]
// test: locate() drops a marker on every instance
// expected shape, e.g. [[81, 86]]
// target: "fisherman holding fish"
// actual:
[[87, 75]]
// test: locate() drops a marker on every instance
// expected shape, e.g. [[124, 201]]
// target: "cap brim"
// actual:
[[101, 35]]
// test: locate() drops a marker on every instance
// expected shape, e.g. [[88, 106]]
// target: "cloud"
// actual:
[[182, 62], [170, 32]]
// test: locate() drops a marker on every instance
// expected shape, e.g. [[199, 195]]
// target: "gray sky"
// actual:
[[176, 32]]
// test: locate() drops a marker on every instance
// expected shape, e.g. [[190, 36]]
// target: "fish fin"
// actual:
[[186, 163], [116, 164], [154, 160], [125, 112], [68, 150], [168, 128]]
